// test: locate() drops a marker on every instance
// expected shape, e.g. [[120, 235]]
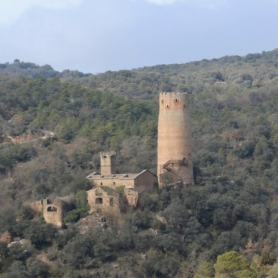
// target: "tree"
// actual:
[[3, 250], [205, 270], [267, 259], [40, 234], [248, 273], [36, 268], [229, 265], [274, 271], [17, 269]]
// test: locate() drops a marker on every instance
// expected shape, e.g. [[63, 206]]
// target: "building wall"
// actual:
[[102, 202], [145, 182], [131, 196], [53, 213], [113, 183], [174, 136]]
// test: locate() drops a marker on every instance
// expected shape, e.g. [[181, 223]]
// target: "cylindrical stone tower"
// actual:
[[174, 147]]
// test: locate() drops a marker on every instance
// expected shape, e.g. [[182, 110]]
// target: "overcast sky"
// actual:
[[100, 35]]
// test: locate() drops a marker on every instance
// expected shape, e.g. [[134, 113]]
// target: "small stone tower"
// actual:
[[174, 147], [107, 163]]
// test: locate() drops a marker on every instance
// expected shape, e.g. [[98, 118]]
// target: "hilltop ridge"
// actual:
[[252, 70]]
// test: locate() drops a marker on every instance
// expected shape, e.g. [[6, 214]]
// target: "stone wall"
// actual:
[[174, 147], [107, 163], [145, 182], [114, 182], [104, 201], [53, 212], [131, 196]]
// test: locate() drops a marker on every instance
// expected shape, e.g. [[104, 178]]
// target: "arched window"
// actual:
[[111, 202], [176, 100], [51, 209]]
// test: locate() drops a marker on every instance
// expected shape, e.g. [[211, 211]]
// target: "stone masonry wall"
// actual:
[[174, 151]]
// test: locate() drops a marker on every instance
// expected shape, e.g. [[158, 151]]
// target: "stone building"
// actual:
[[132, 183], [104, 200], [110, 192], [54, 212], [141, 182], [174, 147]]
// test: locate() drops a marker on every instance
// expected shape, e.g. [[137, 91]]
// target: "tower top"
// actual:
[[173, 100], [172, 93], [107, 154]]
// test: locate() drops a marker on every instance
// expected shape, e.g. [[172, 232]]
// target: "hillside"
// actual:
[[233, 205], [252, 70]]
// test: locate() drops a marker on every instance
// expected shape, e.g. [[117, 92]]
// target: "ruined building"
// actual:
[[140, 182], [110, 193], [174, 147], [54, 212], [131, 184]]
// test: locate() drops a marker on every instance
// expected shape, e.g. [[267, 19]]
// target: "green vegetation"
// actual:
[[224, 226], [81, 210]]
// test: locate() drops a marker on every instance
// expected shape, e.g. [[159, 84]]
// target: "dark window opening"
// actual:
[[111, 202], [176, 100], [184, 106], [167, 107], [162, 101], [101, 183], [114, 183], [99, 201], [52, 208], [103, 219], [98, 210]]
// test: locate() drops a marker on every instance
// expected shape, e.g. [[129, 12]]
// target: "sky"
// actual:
[[95, 36]]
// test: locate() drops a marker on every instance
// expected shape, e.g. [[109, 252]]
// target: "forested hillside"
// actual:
[[252, 70], [233, 206]]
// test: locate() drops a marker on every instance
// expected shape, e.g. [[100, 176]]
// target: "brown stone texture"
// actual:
[[142, 182], [174, 150], [131, 196], [54, 212], [107, 162], [104, 200]]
